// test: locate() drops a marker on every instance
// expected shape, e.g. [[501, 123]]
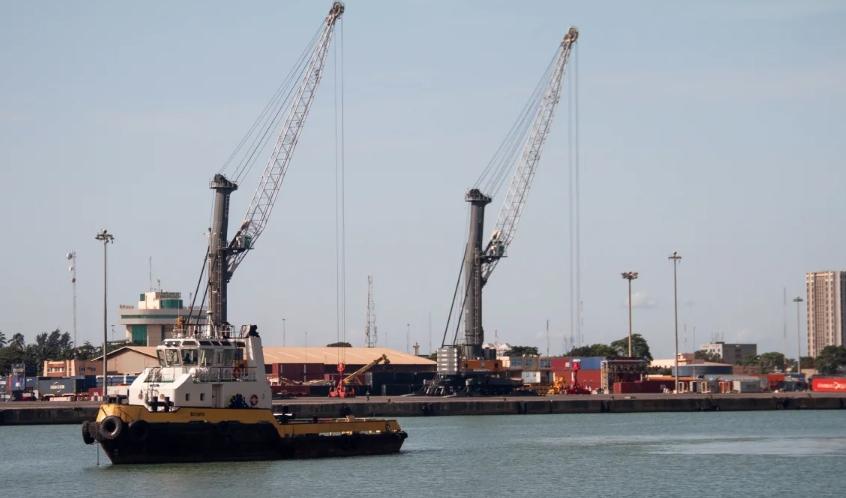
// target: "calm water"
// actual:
[[691, 454]]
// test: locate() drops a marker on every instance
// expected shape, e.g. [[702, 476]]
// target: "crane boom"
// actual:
[[224, 256], [521, 182], [479, 260], [270, 184]]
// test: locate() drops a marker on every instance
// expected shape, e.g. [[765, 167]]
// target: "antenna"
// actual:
[[150, 271]]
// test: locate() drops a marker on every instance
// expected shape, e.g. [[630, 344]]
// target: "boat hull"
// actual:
[[139, 441]]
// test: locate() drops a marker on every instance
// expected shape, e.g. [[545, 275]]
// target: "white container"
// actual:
[[532, 377]]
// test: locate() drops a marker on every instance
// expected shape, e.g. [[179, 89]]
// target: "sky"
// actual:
[[711, 128]]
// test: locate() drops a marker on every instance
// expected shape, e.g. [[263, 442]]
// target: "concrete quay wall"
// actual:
[[413, 407], [74, 413]]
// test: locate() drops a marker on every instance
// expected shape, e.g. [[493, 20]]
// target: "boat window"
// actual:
[[160, 355], [189, 356], [171, 357], [206, 357], [228, 356]]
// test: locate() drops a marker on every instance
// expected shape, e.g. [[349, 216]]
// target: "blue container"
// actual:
[[592, 362]]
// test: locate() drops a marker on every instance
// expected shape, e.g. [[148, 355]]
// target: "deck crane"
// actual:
[[531, 130], [224, 256]]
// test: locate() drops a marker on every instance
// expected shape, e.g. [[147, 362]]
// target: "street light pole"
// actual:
[[283, 332], [798, 300], [107, 239], [72, 258], [630, 275], [407, 337], [675, 258]]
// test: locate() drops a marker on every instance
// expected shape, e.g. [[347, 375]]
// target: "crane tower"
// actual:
[[480, 258], [224, 255]]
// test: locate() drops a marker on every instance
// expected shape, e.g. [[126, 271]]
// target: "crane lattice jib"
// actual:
[[271, 179], [515, 198]]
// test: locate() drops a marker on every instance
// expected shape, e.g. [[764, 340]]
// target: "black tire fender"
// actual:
[[111, 427], [86, 433], [139, 430]]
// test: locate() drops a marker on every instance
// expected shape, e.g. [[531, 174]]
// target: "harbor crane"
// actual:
[[520, 153], [288, 109], [344, 388]]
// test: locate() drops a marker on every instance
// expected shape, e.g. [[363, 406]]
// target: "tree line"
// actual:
[[53, 345], [618, 348]]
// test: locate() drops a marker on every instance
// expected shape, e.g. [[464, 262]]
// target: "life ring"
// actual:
[[236, 373], [111, 427], [253, 400]]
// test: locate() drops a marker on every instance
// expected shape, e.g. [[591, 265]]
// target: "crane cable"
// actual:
[[495, 173], [241, 160], [574, 204], [340, 195]]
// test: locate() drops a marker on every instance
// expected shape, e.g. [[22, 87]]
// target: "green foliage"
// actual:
[[339, 345], [523, 351], [831, 359], [87, 351], [807, 362], [640, 348], [772, 362], [17, 341], [54, 345], [594, 350]]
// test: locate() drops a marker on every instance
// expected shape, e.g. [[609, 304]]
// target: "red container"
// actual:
[[558, 363], [591, 379], [829, 384]]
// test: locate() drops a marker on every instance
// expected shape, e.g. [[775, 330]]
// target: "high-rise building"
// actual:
[[826, 304]]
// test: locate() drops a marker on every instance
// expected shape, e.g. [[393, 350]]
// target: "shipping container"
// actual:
[[591, 379], [746, 386], [531, 377], [828, 384], [558, 363]]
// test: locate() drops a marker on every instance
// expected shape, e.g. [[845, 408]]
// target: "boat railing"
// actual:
[[205, 374], [224, 374]]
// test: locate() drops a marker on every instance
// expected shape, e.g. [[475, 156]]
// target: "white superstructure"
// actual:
[[204, 371]]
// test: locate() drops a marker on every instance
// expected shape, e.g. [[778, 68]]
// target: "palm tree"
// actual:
[[17, 341], [2, 339]]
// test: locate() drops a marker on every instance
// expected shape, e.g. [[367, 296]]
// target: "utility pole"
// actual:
[[72, 269], [675, 258], [283, 331], [408, 338], [798, 300], [107, 239], [630, 275]]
